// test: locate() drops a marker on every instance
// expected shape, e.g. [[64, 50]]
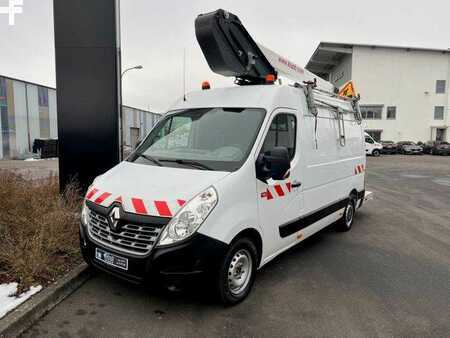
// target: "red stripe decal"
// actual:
[[356, 172], [279, 190], [163, 208], [359, 169], [267, 194], [362, 166], [181, 202], [91, 193], [289, 185], [102, 197], [139, 206], [118, 199]]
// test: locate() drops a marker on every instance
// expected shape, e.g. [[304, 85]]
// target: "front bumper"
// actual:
[[198, 257]]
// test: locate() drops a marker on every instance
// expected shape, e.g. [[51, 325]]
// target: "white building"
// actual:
[[404, 91], [28, 112]]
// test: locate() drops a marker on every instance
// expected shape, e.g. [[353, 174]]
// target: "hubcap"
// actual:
[[349, 214], [239, 271]]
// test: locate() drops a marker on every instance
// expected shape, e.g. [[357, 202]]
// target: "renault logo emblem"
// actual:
[[114, 218]]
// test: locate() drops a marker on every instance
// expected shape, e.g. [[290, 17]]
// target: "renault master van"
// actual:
[[227, 180]]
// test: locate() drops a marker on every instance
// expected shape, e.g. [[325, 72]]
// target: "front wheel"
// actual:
[[376, 152], [237, 272]]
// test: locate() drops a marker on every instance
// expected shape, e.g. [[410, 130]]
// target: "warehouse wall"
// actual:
[[406, 80], [342, 73], [28, 111], [137, 119]]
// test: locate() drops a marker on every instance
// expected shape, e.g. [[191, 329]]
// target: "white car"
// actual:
[[373, 148]]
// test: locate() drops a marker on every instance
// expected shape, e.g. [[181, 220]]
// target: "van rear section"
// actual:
[[230, 177]]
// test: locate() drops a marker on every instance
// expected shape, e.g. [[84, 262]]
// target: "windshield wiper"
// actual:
[[151, 159], [191, 163]]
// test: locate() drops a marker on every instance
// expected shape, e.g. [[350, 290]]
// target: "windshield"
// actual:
[[206, 138]]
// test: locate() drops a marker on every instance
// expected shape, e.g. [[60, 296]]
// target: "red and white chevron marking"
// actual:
[[276, 191], [136, 204], [359, 169]]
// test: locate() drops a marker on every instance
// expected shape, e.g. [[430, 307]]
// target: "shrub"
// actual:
[[38, 229]]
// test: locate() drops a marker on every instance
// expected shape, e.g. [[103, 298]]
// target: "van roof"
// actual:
[[255, 96]]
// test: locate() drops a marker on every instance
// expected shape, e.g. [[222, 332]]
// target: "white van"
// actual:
[[373, 148], [227, 180]]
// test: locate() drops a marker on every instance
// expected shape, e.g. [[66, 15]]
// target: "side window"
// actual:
[[282, 133], [369, 140]]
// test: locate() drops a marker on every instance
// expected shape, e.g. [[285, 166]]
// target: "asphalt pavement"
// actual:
[[389, 276]]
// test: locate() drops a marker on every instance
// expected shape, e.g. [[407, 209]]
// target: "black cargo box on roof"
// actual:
[[229, 49]]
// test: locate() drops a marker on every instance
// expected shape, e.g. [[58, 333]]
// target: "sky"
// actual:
[[154, 34]]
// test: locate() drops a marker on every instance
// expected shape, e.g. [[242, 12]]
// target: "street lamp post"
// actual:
[[121, 107]]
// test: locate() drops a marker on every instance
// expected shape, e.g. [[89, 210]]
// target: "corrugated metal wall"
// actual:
[[28, 111]]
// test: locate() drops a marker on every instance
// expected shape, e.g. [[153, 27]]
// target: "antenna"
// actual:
[[184, 74]]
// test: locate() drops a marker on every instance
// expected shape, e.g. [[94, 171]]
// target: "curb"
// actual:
[[26, 314]]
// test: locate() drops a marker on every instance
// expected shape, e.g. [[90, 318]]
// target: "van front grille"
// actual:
[[136, 239]]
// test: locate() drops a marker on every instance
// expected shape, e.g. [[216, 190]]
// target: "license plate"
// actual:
[[111, 259]]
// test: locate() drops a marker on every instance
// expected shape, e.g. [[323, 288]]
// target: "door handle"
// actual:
[[296, 184]]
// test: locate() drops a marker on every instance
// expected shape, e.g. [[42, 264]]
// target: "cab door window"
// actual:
[[369, 140], [282, 133]]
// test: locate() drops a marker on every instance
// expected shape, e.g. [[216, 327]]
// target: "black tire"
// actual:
[[346, 222], [228, 291], [375, 152]]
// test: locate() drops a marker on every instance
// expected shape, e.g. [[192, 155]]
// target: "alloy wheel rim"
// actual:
[[239, 271]]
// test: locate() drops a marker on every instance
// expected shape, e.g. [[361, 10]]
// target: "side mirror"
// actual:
[[273, 164]]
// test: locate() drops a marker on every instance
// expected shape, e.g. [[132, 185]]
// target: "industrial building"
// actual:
[[404, 91], [28, 112]]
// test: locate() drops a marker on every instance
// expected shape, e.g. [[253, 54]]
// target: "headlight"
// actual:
[[84, 214], [189, 218]]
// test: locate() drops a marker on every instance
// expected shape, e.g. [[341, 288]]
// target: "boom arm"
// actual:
[[231, 51], [292, 71]]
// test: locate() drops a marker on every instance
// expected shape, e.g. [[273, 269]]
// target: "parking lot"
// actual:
[[389, 276]]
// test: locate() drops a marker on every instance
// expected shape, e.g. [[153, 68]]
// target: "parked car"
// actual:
[[409, 148], [442, 148], [427, 146], [389, 147], [372, 147]]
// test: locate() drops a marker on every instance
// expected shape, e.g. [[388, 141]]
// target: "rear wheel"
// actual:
[[237, 272], [376, 152], [346, 222]]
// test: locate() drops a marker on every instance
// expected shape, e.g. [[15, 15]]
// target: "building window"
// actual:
[[371, 112], [391, 113], [440, 86], [43, 96], [439, 112], [2, 90]]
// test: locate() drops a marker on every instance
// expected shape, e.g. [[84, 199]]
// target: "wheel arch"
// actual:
[[255, 237]]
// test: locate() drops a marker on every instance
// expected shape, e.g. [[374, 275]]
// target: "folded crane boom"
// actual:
[[292, 71], [231, 51]]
